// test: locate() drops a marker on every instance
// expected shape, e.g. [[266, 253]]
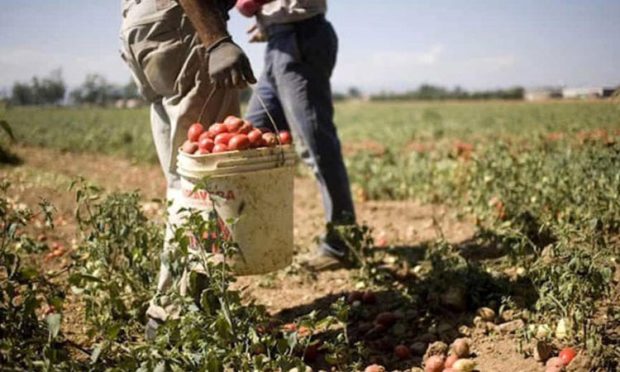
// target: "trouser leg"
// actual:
[[295, 88], [302, 81], [183, 110], [256, 113], [171, 71]]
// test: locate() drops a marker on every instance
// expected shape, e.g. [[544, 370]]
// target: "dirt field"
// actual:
[[48, 173]]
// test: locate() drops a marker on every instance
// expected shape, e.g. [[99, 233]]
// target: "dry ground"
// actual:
[[47, 173]]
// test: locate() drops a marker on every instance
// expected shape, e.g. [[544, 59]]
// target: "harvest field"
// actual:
[[497, 222]]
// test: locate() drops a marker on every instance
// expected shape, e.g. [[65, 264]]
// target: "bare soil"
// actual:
[[405, 225]]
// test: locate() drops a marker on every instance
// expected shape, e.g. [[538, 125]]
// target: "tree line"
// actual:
[[96, 90], [52, 90], [428, 92]]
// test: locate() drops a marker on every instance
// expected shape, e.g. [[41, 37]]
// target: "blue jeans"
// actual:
[[295, 86]]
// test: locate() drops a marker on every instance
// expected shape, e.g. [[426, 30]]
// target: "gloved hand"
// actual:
[[229, 67]]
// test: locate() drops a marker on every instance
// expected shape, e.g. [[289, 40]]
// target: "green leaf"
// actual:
[[7, 128], [28, 273], [53, 325], [112, 332]]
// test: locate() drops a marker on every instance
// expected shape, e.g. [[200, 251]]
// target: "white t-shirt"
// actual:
[[287, 11], [137, 12]]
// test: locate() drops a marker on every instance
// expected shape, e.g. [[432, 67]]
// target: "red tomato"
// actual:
[[216, 129], [189, 147], [434, 364], [402, 352], [311, 352], [450, 360], [270, 139], [206, 143], [255, 137], [195, 130], [248, 7], [285, 137], [289, 327], [239, 142], [386, 319], [233, 123], [369, 298], [246, 128], [374, 368], [219, 147], [223, 138], [203, 151], [567, 355], [205, 135]]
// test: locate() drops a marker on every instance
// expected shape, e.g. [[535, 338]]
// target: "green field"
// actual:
[[127, 133]]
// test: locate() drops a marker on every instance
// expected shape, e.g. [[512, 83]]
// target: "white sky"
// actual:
[[384, 45]]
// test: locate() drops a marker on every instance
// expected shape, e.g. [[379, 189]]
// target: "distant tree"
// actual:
[[95, 90], [22, 94], [47, 91], [354, 93], [338, 96], [433, 92], [130, 90], [51, 90]]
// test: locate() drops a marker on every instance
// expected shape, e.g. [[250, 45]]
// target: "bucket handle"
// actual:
[[262, 103], [272, 121]]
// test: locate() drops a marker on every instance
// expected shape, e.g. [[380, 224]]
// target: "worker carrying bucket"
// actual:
[[187, 66], [181, 56]]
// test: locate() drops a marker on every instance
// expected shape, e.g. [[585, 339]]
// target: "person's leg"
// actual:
[[302, 66], [169, 67], [158, 307], [265, 91], [195, 100]]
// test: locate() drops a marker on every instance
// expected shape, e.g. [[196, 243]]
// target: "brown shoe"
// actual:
[[317, 261]]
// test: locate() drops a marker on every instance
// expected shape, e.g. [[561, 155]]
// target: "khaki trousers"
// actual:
[[168, 63]]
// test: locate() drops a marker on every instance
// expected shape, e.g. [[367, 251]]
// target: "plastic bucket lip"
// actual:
[[231, 153], [232, 162]]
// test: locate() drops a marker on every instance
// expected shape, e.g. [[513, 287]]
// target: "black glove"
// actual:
[[229, 67]]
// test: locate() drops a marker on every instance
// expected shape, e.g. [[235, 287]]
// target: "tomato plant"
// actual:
[[30, 336]]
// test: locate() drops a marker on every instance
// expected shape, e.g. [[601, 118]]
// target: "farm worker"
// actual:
[[178, 51], [295, 87]]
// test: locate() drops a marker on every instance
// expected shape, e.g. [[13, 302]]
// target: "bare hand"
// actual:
[[256, 34]]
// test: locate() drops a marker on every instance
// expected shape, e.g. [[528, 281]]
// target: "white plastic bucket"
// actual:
[[255, 189]]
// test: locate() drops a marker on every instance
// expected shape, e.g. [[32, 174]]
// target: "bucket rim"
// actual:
[[230, 153]]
